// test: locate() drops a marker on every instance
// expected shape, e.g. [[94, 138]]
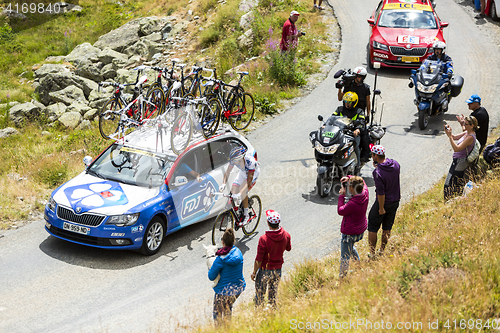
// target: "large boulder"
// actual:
[[50, 69], [83, 53], [246, 40], [89, 71], [58, 81], [146, 48], [121, 38], [68, 95], [246, 21], [107, 55], [70, 119], [78, 107], [108, 71], [21, 112], [54, 111], [149, 25], [8, 131]]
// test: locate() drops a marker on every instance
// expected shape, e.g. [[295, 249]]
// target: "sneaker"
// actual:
[[245, 221], [315, 6], [321, 8]]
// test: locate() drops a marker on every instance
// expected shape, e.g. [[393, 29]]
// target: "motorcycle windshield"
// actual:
[[332, 131], [431, 71]]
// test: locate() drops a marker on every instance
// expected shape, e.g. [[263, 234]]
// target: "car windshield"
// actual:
[[416, 19], [132, 166]]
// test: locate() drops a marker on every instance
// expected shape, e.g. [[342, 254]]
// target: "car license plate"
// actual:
[[410, 59], [76, 228]]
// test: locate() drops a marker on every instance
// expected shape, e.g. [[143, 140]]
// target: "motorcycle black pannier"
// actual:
[[456, 85]]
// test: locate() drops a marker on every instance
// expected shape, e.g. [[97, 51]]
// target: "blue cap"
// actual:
[[474, 99]]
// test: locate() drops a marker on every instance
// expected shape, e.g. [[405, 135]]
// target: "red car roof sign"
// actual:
[[407, 6]]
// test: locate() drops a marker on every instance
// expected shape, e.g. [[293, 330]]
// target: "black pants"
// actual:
[[456, 179]]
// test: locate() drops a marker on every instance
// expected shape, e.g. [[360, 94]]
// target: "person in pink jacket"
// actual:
[[354, 221]]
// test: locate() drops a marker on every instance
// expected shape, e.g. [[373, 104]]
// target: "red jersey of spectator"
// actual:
[[271, 247], [289, 30]]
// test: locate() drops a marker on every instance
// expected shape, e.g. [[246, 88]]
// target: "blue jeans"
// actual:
[[348, 251], [267, 279]]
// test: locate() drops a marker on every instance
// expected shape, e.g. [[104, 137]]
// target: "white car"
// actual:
[[136, 192]]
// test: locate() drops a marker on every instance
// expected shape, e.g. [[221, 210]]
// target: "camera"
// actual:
[[302, 33], [347, 78]]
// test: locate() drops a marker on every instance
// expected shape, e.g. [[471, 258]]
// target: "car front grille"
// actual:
[[402, 52], [90, 220]]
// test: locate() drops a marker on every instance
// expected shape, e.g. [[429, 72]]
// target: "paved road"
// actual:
[[47, 285]]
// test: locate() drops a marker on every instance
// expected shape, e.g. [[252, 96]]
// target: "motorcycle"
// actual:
[[433, 90], [333, 145]]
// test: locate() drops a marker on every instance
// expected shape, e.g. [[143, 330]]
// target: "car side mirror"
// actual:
[[320, 118], [371, 21], [87, 160], [377, 92], [180, 180], [410, 85], [444, 24]]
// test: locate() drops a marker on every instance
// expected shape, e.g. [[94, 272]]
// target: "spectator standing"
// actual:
[[482, 116], [455, 181], [353, 218], [269, 259], [319, 5], [290, 34], [388, 194], [229, 264]]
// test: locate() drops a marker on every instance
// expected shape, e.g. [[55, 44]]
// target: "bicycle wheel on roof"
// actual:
[[242, 111], [210, 117], [153, 106], [182, 129], [109, 117]]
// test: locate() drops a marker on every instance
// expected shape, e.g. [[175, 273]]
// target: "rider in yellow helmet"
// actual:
[[357, 115]]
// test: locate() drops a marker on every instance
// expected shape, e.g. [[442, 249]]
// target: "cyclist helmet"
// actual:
[[360, 71], [237, 153], [350, 99], [439, 45]]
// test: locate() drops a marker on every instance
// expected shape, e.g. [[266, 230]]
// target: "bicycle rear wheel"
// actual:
[[154, 104], [108, 119], [182, 130], [210, 117], [224, 221], [255, 210], [242, 111]]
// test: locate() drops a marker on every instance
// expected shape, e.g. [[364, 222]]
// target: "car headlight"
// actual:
[[326, 150], [380, 46], [426, 89], [51, 204], [123, 220]]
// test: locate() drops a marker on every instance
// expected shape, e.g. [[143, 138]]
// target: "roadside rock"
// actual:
[[56, 110], [78, 107], [70, 119], [108, 71], [89, 71], [246, 21], [83, 53], [68, 95], [107, 56], [146, 48], [21, 112], [50, 69], [246, 40], [121, 38], [8, 131], [84, 125]]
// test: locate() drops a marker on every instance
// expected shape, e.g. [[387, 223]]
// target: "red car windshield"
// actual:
[[405, 19]]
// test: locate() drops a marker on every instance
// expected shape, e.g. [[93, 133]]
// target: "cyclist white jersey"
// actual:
[[251, 164]]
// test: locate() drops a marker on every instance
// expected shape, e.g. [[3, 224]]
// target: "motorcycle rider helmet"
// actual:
[[350, 99], [439, 45], [360, 71], [237, 153]]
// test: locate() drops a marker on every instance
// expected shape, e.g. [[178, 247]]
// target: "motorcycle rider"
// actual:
[[359, 87], [348, 109], [249, 172], [440, 56]]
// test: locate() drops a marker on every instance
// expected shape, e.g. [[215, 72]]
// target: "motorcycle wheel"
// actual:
[[324, 186], [423, 119]]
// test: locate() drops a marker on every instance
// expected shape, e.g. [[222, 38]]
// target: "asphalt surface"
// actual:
[[48, 285]]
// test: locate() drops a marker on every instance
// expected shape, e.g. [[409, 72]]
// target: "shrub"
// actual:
[[283, 67]]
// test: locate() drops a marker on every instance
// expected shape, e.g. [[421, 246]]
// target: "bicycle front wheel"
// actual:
[[182, 130], [255, 210], [242, 111], [210, 117], [224, 221], [109, 119]]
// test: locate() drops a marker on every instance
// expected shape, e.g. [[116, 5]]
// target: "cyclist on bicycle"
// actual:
[[249, 172]]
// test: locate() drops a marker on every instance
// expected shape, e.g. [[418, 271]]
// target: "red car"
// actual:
[[403, 31]]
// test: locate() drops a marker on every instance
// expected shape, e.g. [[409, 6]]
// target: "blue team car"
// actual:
[[137, 191]]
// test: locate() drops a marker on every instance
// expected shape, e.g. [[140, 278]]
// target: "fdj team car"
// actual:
[[134, 194]]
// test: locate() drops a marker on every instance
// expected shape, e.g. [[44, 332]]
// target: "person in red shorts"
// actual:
[[290, 34]]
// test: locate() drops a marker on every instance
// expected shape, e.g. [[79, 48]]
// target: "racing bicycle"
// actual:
[[232, 217]]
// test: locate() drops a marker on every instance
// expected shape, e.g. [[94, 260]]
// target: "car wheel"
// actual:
[[153, 237], [494, 10]]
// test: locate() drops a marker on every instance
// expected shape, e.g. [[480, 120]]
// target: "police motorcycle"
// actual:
[[433, 90], [333, 145]]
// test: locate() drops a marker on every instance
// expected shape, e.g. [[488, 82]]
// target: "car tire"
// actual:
[[153, 237], [494, 10]]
